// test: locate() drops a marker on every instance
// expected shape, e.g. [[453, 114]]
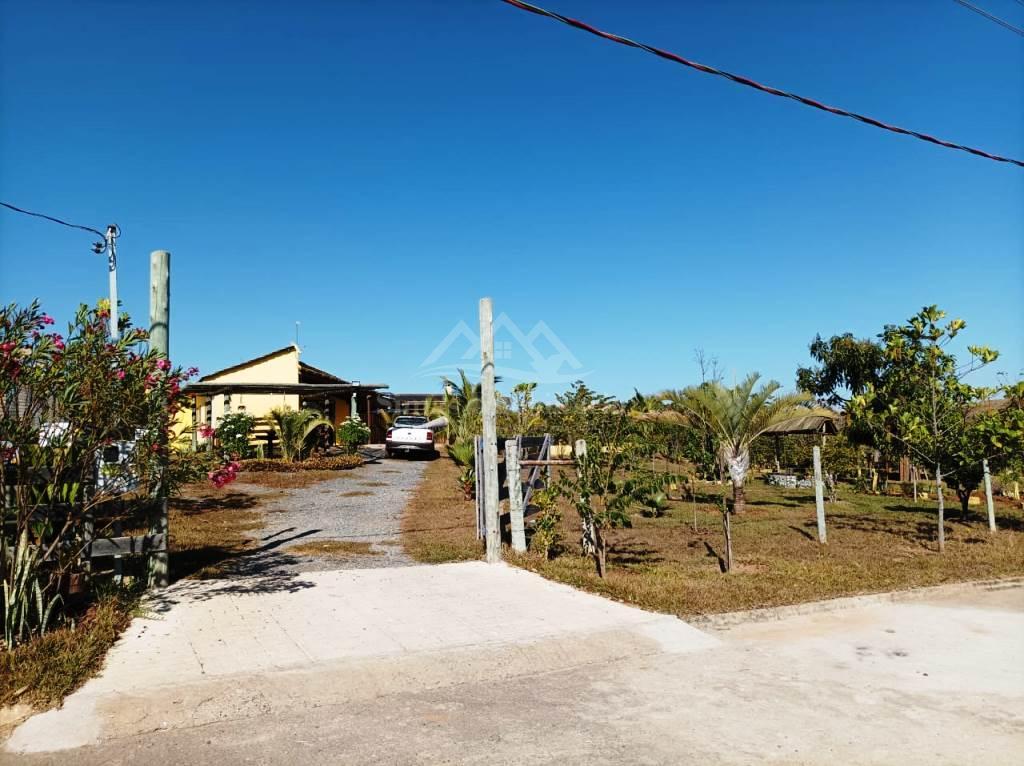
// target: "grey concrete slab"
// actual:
[[933, 682]]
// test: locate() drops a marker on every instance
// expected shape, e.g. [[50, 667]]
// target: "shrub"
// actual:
[[65, 403], [463, 454], [351, 433], [546, 539], [294, 429], [233, 433]]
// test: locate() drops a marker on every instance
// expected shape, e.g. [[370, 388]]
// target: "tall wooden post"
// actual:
[[819, 500], [942, 508], [515, 496], [159, 327], [588, 536], [988, 497], [490, 429]]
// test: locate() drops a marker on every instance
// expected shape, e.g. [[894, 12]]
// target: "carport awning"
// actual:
[[214, 388]]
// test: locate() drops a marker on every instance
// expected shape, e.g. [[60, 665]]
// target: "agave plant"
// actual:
[[294, 427], [24, 606]]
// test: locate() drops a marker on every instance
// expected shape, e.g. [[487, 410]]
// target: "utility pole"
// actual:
[[490, 429], [159, 340], [109, 245]]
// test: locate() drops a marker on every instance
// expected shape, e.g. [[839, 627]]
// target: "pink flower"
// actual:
[[222, 476], [163, 364], [58, 341], [205, 432], [46, 319], [120, 374]]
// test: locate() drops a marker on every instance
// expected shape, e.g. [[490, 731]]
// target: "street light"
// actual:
[[109, 245]]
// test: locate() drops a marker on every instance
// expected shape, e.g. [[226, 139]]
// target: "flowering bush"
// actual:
[[233, 433], [67, 402], [351, 433], [226, 474]]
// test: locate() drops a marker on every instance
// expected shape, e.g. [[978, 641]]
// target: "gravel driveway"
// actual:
[[361, 505]]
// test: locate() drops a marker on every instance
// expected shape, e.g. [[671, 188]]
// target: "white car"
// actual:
[[410, 435]]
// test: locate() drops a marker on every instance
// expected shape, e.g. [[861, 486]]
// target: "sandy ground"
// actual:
[[470, 663]]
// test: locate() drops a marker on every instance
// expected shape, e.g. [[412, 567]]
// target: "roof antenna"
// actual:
[[297, 323]]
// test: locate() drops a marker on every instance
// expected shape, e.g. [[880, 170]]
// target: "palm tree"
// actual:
[[736, 416], [463, 407], [294, 428]]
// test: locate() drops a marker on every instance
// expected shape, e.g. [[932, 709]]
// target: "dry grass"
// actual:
[[438, 523], [874, 544], [42, 672], [209, 527], [334, 548]]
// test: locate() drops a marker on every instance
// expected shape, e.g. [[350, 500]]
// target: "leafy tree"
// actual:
[[921, 405], [524, 415], [846, 367], [611, 477], [294, 427], [568, 419]]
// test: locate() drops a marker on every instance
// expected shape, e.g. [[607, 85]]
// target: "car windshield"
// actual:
[[410, 421]]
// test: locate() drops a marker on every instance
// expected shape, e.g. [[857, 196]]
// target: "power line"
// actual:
[[755, 85], [990, 17], [100, 234]]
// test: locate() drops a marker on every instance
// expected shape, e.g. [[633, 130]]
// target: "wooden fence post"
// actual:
[[490, 429], [515, 496], [588, 540], [159, 332], [478, 462], [819, 500], [988, 497]]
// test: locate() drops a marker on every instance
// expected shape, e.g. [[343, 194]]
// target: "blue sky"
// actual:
[[372, 169]]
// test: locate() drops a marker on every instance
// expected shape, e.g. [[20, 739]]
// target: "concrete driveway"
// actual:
[[470, 663]]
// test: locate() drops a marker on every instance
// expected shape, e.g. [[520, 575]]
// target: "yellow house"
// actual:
[[282, 379]]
